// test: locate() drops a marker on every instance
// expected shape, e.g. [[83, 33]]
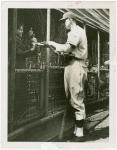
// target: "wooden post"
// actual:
[[12, 72], [47, 62], [98, 46]]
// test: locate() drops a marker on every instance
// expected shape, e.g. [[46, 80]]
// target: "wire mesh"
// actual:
[[27, 99], [56, 97], [104, 83], [35, 22], [104, 48], [92, 86], [92, 46], [27, 95]]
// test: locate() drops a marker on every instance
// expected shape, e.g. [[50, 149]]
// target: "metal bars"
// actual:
[[12, 70], [28, 95], [98, 46], [47, 62], [56, 97]]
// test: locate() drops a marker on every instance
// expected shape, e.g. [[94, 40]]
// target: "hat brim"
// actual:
[[62, 19]]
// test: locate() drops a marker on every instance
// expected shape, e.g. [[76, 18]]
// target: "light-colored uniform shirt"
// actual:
[[77, 37]]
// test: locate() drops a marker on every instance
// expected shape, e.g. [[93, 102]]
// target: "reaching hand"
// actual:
[[57, 52], [34, 47], [45, 43]]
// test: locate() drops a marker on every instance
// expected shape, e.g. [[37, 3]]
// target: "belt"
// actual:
[[76, 58], [70, 58]]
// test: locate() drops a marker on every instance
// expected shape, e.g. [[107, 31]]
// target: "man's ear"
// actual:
[[71, 21]]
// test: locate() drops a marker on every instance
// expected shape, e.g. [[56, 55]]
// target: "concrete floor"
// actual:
[[100, 133], [96, 128]]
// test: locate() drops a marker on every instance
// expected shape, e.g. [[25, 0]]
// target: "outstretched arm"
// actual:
[[25, 53], [66, 48]]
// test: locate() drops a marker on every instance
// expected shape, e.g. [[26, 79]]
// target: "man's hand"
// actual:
[[45, 43], [49, 43], [57, 52], [34, 47]]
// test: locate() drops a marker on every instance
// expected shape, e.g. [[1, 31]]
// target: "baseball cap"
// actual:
[[68, 15]]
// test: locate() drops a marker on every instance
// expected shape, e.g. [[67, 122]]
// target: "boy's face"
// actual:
[[20, 31]]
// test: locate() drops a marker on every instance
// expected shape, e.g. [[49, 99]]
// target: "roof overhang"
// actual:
[[96, 18]]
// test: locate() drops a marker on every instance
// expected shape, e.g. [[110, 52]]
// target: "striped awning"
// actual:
[[97, 18]]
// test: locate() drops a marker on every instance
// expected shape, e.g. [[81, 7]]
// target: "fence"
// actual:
[[30, 80]]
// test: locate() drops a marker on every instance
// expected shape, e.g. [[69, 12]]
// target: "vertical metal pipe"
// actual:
[[84, 26], [12, 70], [98, 46], [41, 93], [47, 62], [48, 24]]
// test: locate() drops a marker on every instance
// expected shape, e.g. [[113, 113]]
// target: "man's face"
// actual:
[[67, 23], [20, 31]]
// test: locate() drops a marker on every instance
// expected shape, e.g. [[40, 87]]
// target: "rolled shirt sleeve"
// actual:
[[77, 38], [73, 38]]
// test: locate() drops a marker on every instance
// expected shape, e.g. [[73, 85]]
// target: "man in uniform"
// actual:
[[75, 73]]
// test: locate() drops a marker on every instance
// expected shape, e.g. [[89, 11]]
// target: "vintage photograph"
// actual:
[[58, 74]]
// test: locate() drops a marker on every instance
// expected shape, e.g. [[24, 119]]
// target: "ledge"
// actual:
[[29, 70]]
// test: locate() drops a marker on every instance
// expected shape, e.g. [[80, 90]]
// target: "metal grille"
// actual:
[[92, 46], [27, 95], [56, 97], [104, 49], [35, 23], [56, 59], [104, 83], [92, 86], [28, 101]]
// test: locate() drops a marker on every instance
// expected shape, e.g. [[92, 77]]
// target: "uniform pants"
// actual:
[[75, 75]]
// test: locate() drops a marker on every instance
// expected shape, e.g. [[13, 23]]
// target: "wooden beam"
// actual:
[[101, 14], [91, 19], [83, 19], [106, 12], [12, 72], [47, 62], [98, 17]]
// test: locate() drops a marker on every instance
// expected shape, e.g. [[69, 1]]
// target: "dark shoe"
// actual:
[[77, 139]]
